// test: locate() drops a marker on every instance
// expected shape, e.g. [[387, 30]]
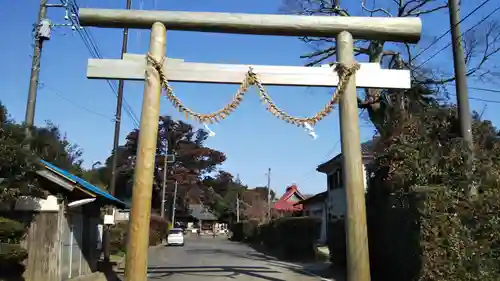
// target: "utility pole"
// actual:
[[460, 72], [237, 207], [461, 85], [173, 205], [164, 184], [116, 140], [35, 67], [269, 194]]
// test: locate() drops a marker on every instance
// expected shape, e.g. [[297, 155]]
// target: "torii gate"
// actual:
[[135, 67]]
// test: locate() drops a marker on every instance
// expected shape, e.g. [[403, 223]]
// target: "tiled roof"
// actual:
[[284, 205], [366, 150], [313, 199], [200, 212]]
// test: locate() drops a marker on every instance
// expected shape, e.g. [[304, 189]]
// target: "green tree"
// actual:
[[222, 192], [418, 202], [17, 164], [193, 160], [481, 45]]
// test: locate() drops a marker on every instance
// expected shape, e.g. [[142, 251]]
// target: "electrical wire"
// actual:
[[91, 45], [471, 28], [449, 30], [52, 90]]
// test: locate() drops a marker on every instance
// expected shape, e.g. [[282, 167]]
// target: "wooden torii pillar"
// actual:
[[135, 67]]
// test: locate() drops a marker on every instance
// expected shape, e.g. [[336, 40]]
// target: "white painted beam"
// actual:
[[369, 76], [142, 57]]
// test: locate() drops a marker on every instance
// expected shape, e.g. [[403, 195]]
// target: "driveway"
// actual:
[[214, 259]]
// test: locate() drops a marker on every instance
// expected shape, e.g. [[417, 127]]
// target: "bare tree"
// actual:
[[481, 44]]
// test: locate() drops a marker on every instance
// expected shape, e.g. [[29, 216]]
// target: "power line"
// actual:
[[484, 89], [449, 30], [93, 48], [45, 86], [471, 28]]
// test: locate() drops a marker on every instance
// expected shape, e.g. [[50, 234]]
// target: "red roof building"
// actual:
[[287, 202]]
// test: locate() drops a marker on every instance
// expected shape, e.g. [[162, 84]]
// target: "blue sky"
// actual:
[[252, 138]]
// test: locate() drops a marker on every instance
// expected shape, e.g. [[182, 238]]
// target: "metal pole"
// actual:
[[116, 140], [138, 234], [269, 194], [461, 85], [35, 72], [237, 208], [358, 266], [164, 184], [173, 205]]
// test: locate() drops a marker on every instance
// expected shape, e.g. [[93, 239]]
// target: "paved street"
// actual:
[[212, 259]]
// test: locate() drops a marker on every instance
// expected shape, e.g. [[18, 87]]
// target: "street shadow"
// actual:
[[258, 253], [257, 272], [306, 266], [250, 254]]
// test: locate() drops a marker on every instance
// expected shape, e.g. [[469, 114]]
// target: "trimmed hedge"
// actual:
[[158, 229], [12, 254], [237, 231], [11, 231], [118, 238], [157, 232], [293, 237], [336, 241]]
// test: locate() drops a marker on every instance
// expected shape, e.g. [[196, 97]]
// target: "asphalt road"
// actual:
[[217, 259]]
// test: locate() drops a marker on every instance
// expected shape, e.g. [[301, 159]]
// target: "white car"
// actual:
[[175, 237]]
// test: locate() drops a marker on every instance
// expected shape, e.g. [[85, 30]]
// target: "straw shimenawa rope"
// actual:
[[252, 79]]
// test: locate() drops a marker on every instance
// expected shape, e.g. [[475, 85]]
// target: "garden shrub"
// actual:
[[336, 242], [118, 238], [11, 231], [423, 223], [237, 231], [250, 230], [158, 230], [294, 237], [12, 254], [268, 234]]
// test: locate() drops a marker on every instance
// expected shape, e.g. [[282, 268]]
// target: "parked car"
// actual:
[[175, 237]]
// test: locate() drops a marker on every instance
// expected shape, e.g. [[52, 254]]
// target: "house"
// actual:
[[198, 217], [286, 203], [62, 239], [336, 201], [316, 206]]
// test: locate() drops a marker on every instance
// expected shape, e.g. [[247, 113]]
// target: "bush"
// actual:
[[118, 232], [293, 237], [250, 230], [11, 231], [158, 229], [336, 241], [423, 225], [12, 254], [11, 261], [237, 231], [268, 234], [298, 236], [118, 238]]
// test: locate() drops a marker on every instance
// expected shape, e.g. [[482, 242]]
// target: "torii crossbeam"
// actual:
[[135, 67]]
